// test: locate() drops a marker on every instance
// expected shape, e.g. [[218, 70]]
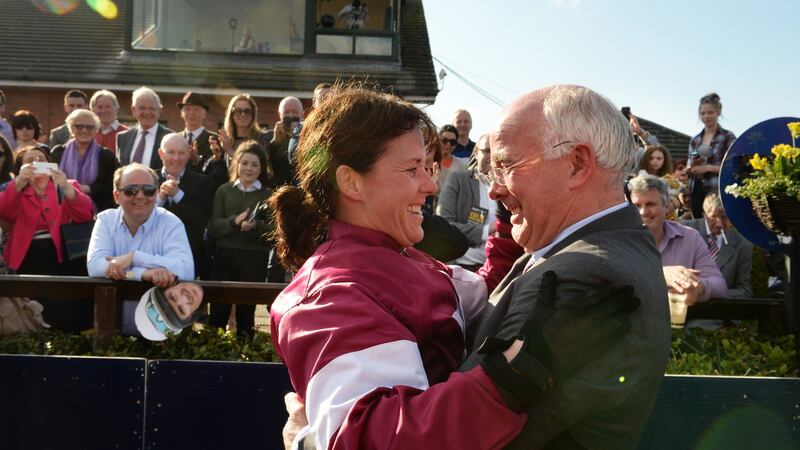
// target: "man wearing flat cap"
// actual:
[[194, 111]]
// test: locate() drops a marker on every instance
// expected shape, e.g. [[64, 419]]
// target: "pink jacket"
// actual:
[[23, 210]]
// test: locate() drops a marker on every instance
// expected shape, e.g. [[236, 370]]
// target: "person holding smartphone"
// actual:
[[37, 202], [290, 112], [238, 223]]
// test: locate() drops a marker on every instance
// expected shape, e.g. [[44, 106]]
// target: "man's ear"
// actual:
[[116, 196], [161, 153], [349, 182], [583, 163]]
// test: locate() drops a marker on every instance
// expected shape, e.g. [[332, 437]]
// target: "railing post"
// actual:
[[105, 312]]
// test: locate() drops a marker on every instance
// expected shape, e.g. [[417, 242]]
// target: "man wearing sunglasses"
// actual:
[[138, 241]]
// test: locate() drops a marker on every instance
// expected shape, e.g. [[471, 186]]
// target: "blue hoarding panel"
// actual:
[[55, 402], [215, 405]]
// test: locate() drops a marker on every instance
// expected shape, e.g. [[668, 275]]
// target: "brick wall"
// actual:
[[48, 106]]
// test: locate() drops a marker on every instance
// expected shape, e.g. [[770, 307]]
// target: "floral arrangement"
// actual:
[[775, 176]]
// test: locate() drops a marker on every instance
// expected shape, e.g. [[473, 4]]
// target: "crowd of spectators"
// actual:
[[192, 204]]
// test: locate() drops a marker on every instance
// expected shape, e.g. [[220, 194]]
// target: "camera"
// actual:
[[287, 122]]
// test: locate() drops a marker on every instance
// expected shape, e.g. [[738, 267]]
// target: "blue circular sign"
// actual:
[[758, 139]]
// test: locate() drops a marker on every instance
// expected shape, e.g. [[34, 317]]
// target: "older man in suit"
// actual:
[[464, 202], [140, 143], [187, 194], [732, 253], [194, 111], [559, 157]]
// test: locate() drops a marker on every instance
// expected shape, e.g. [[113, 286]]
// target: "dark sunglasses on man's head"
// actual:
[[132, 190], [242, 111], [450, 141]]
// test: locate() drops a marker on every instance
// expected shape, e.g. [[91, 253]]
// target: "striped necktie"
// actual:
[[713, 248]]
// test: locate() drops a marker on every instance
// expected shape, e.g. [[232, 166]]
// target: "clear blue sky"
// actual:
[[658, 57]]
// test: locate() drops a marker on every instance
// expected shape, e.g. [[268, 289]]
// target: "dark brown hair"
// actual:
[[644, 163], [75, 93], [711, 99], [351, 127], [21, 154], [5, 168], [254, 148], [23, 118]]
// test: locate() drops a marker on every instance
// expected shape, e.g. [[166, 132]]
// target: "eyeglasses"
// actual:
[[80, 126], [242, 111], [452, 142], [497, 175], [28, 126], [132, 190]]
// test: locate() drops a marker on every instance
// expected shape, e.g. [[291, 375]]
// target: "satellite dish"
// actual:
[[442, 74], [758, 139]]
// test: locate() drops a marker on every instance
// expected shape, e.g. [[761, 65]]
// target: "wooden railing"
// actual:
[[108, 294]]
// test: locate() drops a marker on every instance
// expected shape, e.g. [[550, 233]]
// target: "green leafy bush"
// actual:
[[203, 343], [735, 350]]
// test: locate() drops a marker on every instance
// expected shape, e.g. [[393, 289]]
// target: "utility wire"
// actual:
[[465, 69], [489, 96]]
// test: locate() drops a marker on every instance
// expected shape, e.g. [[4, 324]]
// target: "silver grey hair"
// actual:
[[644, 183], [711, 203], [145, 93], [286, 100], [575, 113], [103, 93], [77, 114], [178, 137]]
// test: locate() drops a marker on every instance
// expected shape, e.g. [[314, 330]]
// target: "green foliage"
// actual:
[[206, 343], [735, 350]]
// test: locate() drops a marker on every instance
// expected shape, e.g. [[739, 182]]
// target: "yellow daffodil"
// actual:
[[794, 128], [781, 149], [758, 162]]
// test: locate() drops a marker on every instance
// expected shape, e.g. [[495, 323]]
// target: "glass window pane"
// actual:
[[335, 45], [239, 26], [356, 15], [366, 45]]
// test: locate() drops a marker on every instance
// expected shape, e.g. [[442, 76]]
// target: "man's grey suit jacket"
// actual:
[[125, 142], [59, 135], [460, 193], [735, 260], [606, 405]]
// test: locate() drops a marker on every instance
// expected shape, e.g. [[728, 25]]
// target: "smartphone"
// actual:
[[252, 217], [626, 111], [44, 167]]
